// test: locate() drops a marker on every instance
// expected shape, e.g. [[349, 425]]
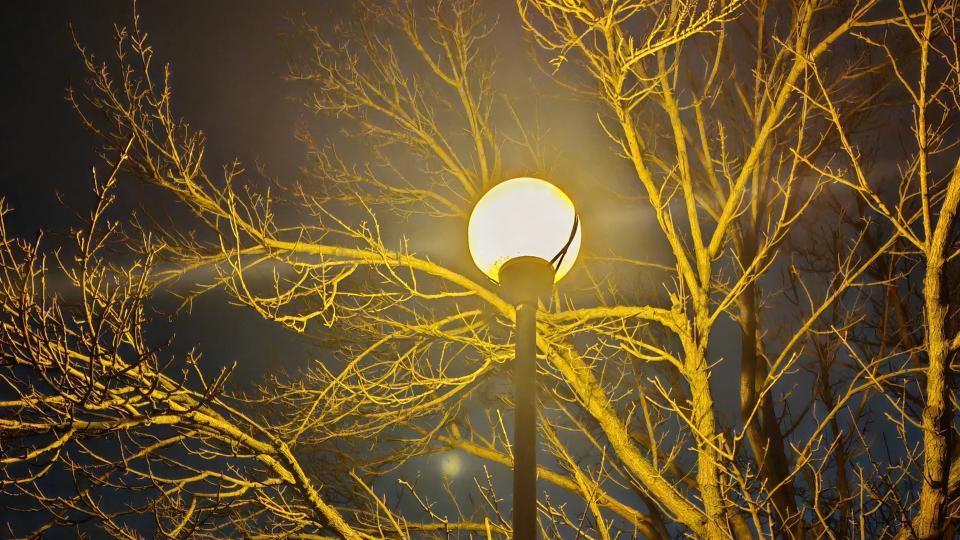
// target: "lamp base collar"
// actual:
[[524, 280]]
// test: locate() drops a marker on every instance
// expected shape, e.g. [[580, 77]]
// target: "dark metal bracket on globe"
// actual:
[[557, 259]]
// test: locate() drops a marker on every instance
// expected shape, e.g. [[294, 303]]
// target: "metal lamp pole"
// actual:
[[523, 281], [524, 220]]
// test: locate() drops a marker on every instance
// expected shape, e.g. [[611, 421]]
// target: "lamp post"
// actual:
[[525, 235]]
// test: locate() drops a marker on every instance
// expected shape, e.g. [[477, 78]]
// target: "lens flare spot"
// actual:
[[451, 464]]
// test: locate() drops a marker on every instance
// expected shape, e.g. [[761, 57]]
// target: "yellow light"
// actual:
[[522, 217], [451, 464]]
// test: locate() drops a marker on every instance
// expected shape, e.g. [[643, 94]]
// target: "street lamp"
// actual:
[[525, 235]]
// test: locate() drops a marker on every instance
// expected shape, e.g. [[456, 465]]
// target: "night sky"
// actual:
[[228, 59]]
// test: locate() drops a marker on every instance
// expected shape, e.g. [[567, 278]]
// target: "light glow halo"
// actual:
[[523, 217], [451, 464]]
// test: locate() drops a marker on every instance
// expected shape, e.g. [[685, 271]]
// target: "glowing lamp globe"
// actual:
[[523, 218]]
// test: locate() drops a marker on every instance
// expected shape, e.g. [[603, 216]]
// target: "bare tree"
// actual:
[[749, 131]]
